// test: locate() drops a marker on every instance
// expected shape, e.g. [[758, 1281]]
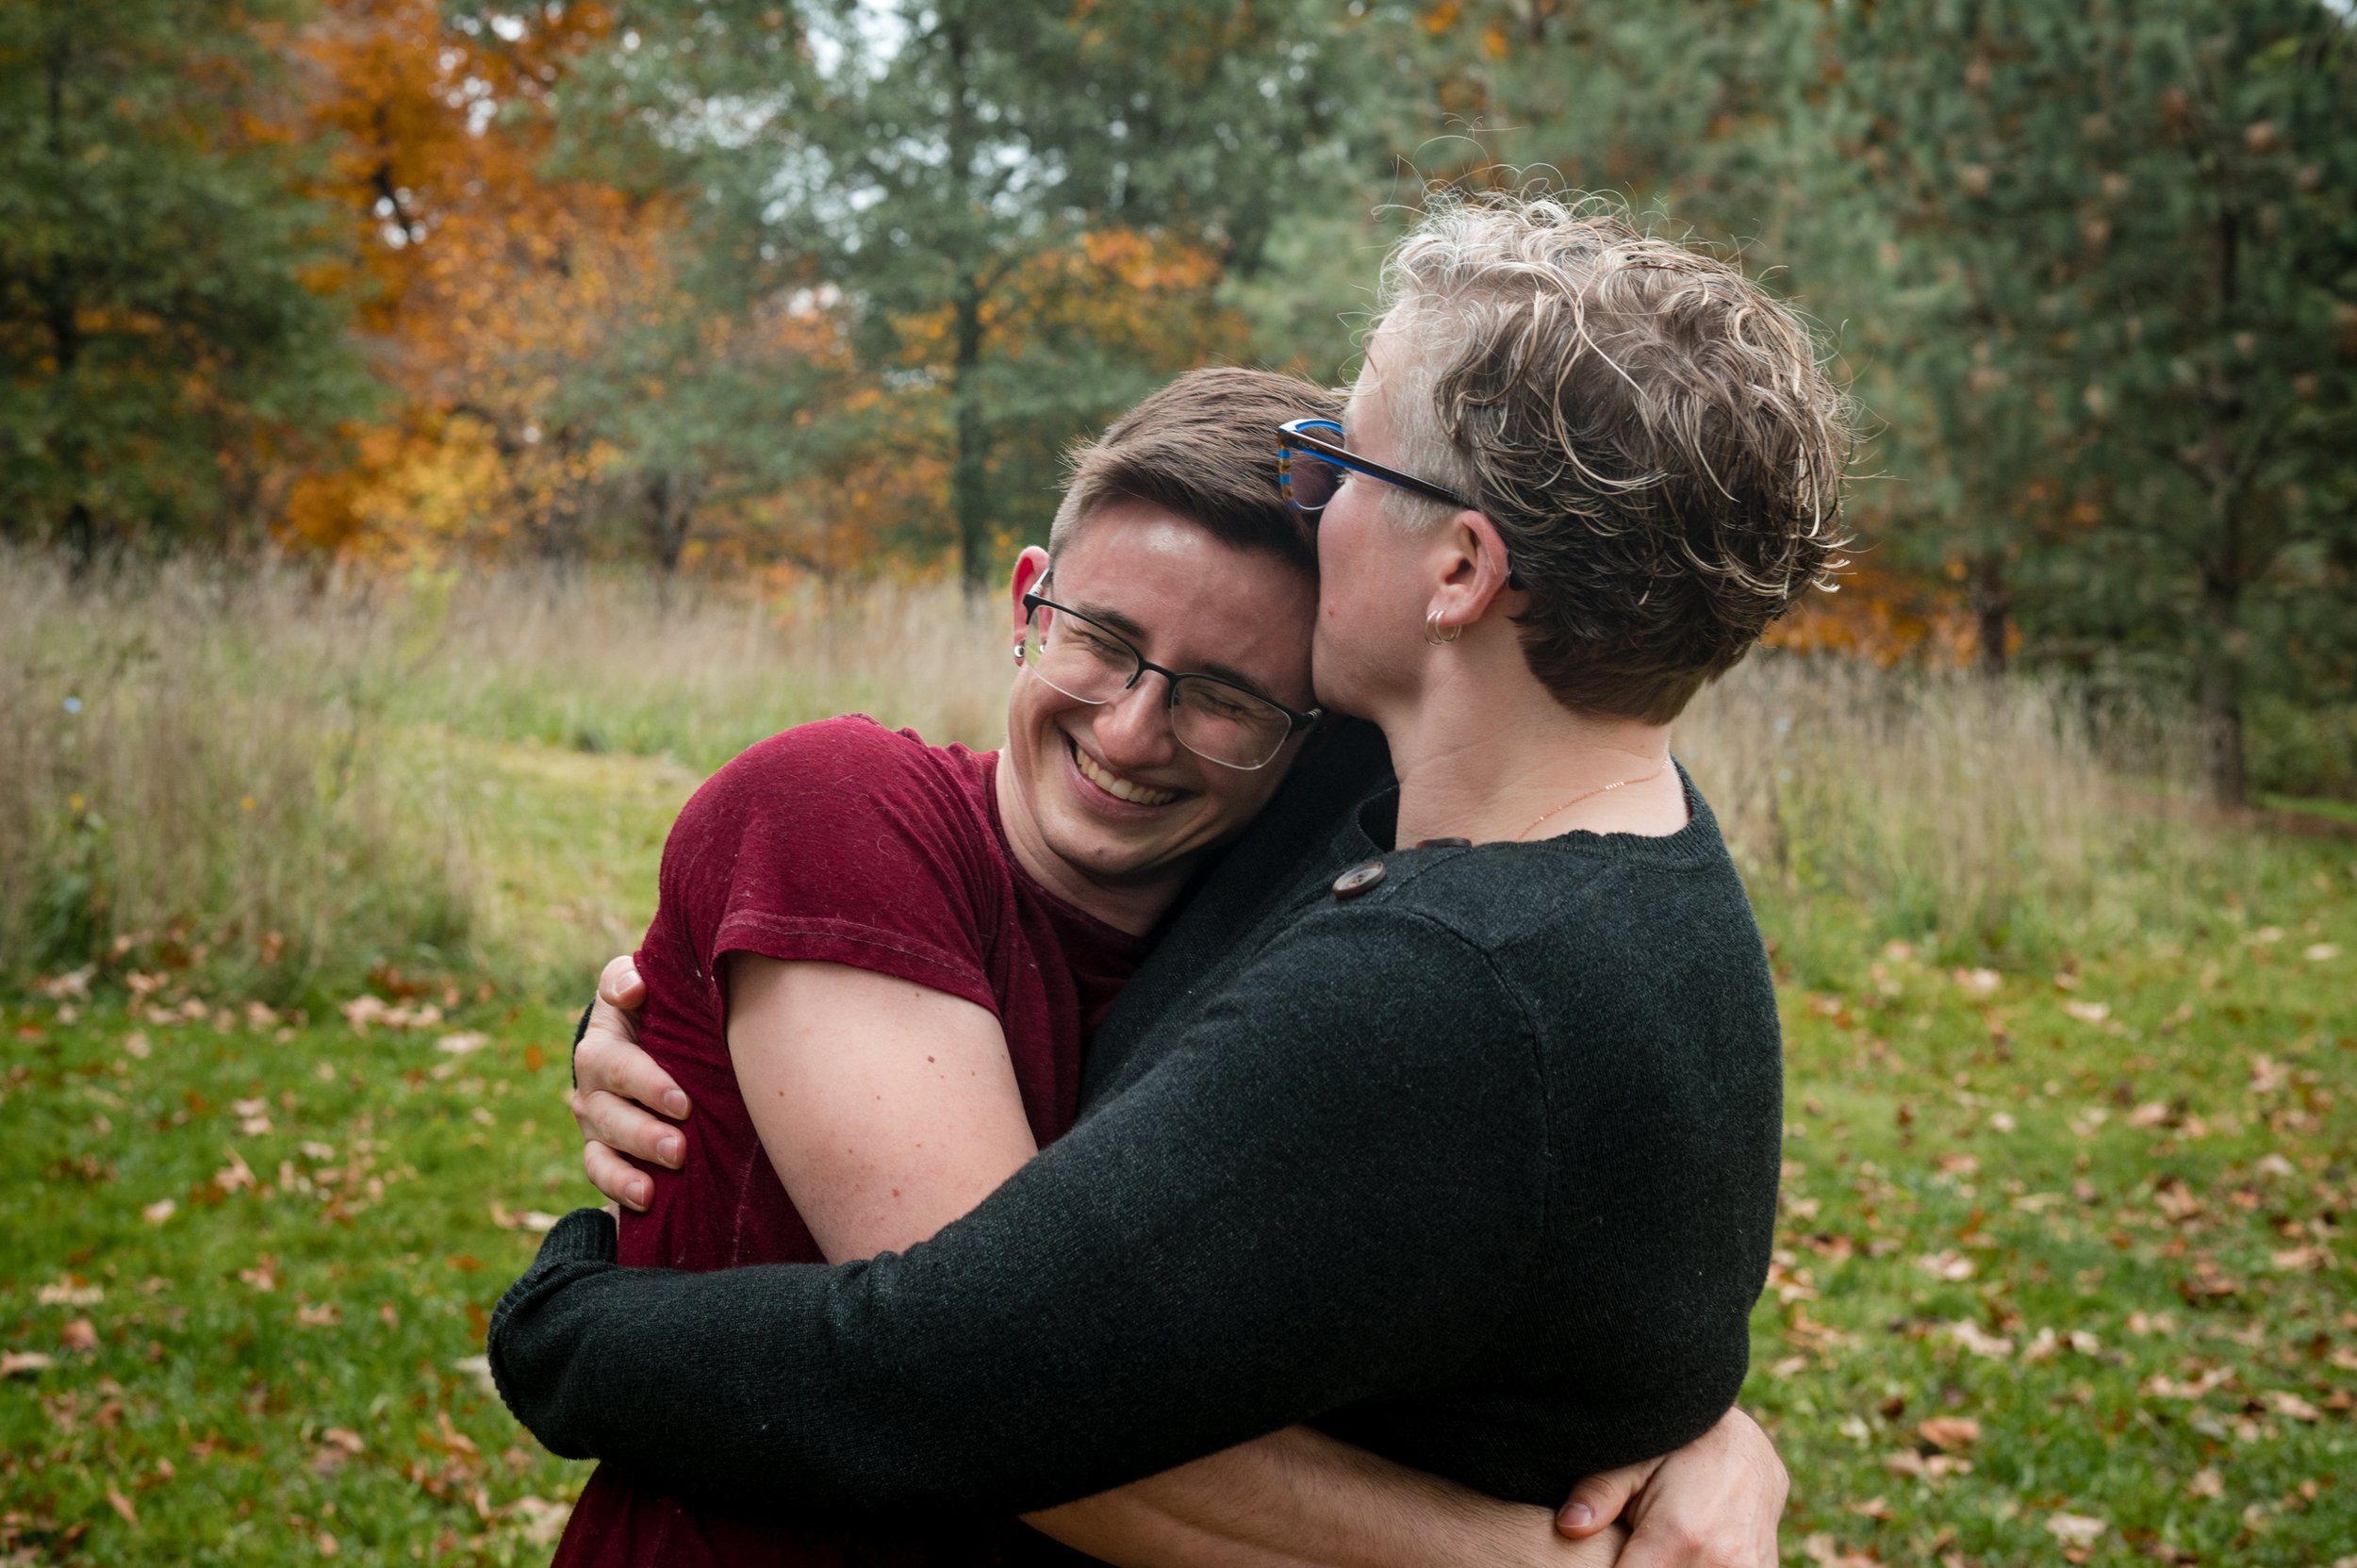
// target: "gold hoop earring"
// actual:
[[1432, 630]]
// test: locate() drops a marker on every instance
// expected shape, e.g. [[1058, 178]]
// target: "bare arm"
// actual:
[[1298, 1498]]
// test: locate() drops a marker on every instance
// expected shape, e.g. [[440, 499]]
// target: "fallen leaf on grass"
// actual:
[[2207, 1284], [1949, 1265], [2088, 1012], [2076, 1529], [1825, 1552], [2321, 952], [541, 1519], [2047, 1343], [263, 1276], [1979, 1340], [2288, 1403], [80, 1334], [477, 1367], [24, 1363], [339, 1445], [1877, 1509], [135, 1044], [464, 1044], [159, 1211], [122, 1505], [2206, 1483], [321, 1314], [1949, 1431], [235, 1176], [72, 1292]]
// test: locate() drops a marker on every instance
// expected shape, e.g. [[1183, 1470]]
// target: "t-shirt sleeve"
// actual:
[[839, 842], [1249, 1236]]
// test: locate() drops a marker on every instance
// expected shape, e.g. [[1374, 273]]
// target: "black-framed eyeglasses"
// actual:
[[1217, 720], [1310, 459]]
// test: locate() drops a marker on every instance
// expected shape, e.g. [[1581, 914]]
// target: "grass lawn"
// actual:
[[2064, 1273]]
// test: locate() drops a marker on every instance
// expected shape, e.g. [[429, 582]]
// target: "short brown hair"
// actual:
[[1650, 431], [1204, 447]]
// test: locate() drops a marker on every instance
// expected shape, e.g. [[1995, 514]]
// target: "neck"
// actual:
[[1131, 906], [1484, 751]]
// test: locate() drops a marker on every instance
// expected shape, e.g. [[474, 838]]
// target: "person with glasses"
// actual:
[[874, 963], [1447, 1115]]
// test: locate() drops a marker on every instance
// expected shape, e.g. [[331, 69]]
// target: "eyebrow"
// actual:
[[1128, 627]]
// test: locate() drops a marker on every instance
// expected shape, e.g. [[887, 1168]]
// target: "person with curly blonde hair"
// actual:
[[1445, 1119]]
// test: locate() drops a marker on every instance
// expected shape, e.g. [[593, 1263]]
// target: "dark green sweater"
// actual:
[[1475, 1168]]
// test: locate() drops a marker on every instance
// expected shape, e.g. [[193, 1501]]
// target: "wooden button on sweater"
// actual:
[[1359, 879]]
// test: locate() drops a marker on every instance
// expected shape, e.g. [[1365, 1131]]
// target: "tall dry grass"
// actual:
[[183, 782], [279, 775], [1979, 814]]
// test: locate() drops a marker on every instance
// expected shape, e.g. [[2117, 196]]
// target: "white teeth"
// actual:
[[1113, 783]]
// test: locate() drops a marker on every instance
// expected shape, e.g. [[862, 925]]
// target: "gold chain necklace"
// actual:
[[1591, 794]]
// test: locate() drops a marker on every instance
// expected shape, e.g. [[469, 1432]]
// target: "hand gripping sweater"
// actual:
[[1473, 1164]]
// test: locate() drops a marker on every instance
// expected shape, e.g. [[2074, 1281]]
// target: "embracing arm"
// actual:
[[889, 1108], [1243, 1239], [1293, 1496]]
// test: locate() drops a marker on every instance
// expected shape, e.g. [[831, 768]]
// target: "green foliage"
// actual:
[[161, 348], [931, 176], [2129, 241]]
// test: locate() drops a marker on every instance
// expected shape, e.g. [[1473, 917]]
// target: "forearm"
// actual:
[[1297, 1498]]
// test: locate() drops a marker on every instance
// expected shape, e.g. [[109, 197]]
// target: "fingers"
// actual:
[[616, 1177], [628, 1129], [610, 1059], [619, 985], [1675, 1541], [1598, 1500]]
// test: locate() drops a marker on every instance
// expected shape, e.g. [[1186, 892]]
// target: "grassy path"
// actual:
[[2064, 1272]]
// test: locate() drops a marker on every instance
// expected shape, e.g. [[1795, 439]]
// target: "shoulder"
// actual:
[[850, 766], [1381, 989], [840, 793]]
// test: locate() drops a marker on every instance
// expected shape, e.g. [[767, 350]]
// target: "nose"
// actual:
[[1133, 730]]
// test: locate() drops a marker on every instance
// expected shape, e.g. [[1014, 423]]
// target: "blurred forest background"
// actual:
[[434, 436], [769, 292]]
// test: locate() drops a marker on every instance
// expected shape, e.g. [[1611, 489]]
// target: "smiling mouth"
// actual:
[[1113, 783]]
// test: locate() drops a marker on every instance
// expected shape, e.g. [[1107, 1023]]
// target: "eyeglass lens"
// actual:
[[1213, 720], [1311, 480]]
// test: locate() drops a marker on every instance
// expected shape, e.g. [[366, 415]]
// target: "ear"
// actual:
[[1030, 568], [1472, 572]]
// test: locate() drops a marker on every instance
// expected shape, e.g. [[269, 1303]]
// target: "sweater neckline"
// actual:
[[1373, 828]]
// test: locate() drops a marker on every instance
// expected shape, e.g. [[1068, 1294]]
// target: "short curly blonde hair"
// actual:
[[1652, 433]]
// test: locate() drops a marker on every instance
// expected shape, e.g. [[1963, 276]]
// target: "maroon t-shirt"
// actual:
[[849, 843]]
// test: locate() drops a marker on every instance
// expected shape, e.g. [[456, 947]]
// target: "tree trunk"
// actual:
[[969, 476], [969, 472], [670, 516], [2219, 672], [1992, 613], [62, 308]]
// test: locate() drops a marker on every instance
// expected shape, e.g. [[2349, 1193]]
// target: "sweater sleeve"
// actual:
[[1327, 1188]]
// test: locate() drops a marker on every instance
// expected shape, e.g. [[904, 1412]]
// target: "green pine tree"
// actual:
[[160, 351]]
